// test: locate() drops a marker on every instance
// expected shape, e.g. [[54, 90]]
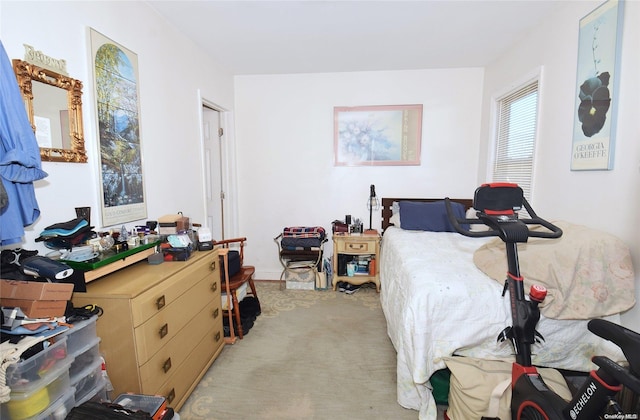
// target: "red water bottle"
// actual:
[[537, 293]]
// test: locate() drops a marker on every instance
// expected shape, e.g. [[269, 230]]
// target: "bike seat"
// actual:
[[627, 340]]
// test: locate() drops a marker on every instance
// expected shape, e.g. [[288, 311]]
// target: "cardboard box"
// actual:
[[34, 290], [37, 308], [171, 224]]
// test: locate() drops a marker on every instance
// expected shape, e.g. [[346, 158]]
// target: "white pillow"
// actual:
[[395, 214], [471, 214], [395, 207], [395, 219]]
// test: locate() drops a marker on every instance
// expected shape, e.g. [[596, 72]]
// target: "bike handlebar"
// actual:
[[499, 224], [626, 339]]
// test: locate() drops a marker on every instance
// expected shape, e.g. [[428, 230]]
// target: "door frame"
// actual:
[[228, 161]]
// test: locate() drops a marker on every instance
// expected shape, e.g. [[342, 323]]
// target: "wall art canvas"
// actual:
[[115, 71], [596, 100], [377, 135]]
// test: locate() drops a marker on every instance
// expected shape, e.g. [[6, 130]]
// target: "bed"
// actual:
[[437, 302]]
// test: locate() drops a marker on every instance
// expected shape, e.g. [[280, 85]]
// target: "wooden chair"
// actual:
[[232, 283]]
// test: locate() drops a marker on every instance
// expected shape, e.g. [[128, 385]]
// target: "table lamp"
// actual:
[[372, 204]]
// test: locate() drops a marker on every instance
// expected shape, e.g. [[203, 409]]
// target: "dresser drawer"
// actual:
[[165, 362], [189, 373], [155, 300], [167, 323], [356, 246], [178, 298]]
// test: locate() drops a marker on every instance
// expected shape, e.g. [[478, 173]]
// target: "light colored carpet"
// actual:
[[310, 355]]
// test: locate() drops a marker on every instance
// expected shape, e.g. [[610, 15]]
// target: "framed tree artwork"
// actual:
[[115, 71]]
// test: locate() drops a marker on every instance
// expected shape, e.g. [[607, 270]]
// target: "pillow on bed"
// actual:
[[430, 216], [395, 208], [395, 214], [471, 214], [395, 220]]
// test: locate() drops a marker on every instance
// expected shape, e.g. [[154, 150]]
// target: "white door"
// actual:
[[212, 137]]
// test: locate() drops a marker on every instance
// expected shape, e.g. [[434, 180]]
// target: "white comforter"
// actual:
[[437, 303]]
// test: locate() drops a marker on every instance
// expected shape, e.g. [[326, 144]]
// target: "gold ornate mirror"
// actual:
[[54, 106]]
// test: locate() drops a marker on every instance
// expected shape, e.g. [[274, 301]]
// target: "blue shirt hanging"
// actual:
[[20, 163]]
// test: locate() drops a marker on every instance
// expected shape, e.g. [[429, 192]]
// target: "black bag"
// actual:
[[250, 307], [234, 264], [105, 411], [247, 324]]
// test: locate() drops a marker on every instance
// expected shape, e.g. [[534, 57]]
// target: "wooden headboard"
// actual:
[[388, 202]]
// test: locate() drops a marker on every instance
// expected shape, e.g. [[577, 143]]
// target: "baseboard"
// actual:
[[267, 274]]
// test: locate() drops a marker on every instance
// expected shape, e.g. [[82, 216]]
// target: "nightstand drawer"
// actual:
[[364, 249], [356, 246]]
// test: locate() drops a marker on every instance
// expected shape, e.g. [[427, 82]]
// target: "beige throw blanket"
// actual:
[[587, 273]]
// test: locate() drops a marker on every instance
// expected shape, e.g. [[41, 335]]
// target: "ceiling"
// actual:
[[281, 37]]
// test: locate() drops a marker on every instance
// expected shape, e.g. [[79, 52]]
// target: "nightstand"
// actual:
[[358, 248]]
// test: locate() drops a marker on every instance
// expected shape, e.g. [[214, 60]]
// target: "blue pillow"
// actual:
[[429, 216]]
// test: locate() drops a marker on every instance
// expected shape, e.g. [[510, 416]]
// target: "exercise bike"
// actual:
[[496, 206]]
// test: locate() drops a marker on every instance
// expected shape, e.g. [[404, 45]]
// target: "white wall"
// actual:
[[606, 200], [284, 137], [172, 74]]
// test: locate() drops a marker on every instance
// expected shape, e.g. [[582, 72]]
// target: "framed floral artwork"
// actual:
[[115, 71], [377, 135], [596, 101]]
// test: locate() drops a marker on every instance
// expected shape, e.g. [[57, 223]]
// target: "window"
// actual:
[[515, 138]]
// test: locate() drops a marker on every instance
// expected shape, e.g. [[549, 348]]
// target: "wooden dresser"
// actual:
[[162, 325]]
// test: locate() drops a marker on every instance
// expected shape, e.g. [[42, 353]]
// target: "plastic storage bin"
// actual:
[[29, 374], [101, 395], [34, 400], [88, 381], [81, 334], [85, 356], [60, 408], [152, 404]]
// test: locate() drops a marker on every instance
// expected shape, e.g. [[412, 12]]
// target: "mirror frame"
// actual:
[[27, 73]]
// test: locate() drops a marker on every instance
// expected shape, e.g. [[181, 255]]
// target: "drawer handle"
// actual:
[[212, 267], [216, 312], [357, 246], [214, 286], [217, 336], [171, 395], [166, 365], [164, 330], [160, 302]]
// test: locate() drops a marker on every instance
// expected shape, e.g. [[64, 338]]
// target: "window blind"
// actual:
[[516, 133]]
